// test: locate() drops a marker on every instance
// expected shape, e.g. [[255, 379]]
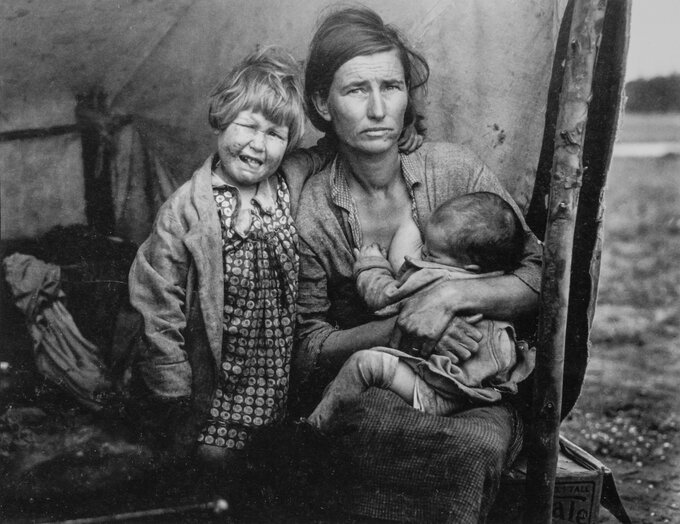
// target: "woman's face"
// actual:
[[366, 102], [251, 148]]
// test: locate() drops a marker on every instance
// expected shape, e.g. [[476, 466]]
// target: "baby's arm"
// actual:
[[373, 274]]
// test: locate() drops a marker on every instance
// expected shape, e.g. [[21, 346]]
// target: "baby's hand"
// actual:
[[371, 250], [410, 139]]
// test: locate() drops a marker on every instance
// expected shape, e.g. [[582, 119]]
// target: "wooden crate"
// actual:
[[578, 489]]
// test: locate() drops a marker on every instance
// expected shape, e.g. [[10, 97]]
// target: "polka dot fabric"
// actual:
[[260, 290]]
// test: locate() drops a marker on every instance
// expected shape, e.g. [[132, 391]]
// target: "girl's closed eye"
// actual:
[[251, 149]]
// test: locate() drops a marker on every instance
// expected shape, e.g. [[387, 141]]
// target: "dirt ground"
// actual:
[[628, 414]]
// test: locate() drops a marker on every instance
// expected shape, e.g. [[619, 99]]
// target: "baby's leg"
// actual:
[[404, 382], [428, 400], [364, 369]]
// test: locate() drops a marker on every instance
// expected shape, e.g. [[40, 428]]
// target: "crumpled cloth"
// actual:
[[61, 352]]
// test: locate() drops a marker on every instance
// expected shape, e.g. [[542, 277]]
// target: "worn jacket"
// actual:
[[177, 284]]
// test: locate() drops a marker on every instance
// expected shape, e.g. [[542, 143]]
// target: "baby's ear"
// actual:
[[473, 268]]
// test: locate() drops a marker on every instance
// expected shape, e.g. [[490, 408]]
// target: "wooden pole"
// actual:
[[567, 172]]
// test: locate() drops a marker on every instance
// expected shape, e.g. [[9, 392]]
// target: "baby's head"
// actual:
[[479, 232], [257, 113]]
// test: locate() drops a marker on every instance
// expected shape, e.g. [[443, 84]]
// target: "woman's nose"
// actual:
[[376, 106]]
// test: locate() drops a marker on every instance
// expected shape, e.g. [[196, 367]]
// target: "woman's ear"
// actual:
[[321, 106]]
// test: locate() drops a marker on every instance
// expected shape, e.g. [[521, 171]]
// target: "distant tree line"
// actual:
[[655, 95]]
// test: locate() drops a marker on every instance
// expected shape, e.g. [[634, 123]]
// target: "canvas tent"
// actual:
[[104, 105], [156, 61]]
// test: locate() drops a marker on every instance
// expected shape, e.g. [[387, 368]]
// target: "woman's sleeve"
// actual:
[[529, 270], [312, 311], [301, 164], [157, 283]]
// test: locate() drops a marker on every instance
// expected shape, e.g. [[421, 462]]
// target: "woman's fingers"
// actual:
[[460, 338], [422, 325], [473, 319], [456, 350]]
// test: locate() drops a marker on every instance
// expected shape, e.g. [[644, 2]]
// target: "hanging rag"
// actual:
[[62, 354]]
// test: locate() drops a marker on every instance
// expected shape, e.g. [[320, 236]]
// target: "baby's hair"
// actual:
[[268, 81], [483, 227]]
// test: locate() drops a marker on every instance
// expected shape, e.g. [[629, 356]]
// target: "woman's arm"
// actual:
[[529, 269], [320, 344], [435, 320], [342, 343]]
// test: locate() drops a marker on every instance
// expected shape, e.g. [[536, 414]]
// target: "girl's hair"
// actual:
[[268, 81], [484, 228], [352, 32]]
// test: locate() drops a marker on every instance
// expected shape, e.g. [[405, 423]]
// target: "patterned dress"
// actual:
[[260, 291]]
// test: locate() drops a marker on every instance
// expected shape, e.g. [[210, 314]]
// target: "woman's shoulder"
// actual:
[[447, 152]]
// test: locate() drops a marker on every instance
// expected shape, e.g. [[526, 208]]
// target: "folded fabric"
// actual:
[[61, 352]]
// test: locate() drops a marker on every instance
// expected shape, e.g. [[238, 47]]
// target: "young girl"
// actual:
[[216, 281]]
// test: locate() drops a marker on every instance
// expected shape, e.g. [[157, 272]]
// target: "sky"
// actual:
[[654, 46]]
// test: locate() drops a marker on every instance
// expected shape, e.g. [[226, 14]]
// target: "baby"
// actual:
[[473, 236]]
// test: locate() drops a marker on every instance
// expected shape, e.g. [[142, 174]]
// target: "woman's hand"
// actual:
[[430, 321], [460, 339]]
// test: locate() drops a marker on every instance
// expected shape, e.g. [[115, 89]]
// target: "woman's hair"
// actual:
[[352, 32], [484, 228], [268, 81]]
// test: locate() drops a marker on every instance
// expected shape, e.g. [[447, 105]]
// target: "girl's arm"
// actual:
[[157, 290]]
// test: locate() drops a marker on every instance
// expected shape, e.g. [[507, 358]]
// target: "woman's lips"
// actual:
[[377, 131]]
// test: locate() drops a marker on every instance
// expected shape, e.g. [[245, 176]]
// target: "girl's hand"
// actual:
[[410, 140]]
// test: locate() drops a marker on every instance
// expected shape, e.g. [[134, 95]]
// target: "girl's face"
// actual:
[[251, 149]]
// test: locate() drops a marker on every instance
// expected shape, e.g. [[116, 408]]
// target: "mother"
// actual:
[[361, 79]]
